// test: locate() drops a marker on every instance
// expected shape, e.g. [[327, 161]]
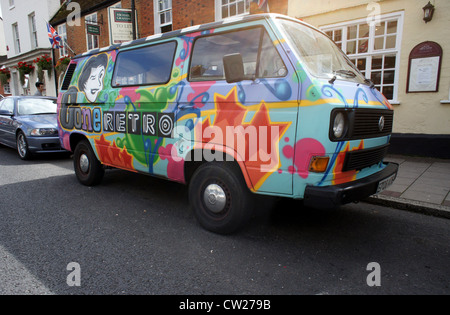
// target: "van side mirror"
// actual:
[[234, 68]]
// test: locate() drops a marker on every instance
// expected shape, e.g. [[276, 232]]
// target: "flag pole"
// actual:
[[67, 45], [53, 56], [54, 71]]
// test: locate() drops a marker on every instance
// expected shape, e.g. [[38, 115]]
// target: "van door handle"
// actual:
[[186, 106]]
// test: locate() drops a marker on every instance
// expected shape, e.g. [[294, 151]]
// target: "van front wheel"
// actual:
[[219, 197], [88, 169]]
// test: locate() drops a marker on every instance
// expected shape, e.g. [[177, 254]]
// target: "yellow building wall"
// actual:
[[417, 113]]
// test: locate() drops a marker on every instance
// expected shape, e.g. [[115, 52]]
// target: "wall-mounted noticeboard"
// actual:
[[424, 68]]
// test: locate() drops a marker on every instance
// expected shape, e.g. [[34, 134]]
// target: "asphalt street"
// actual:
[[136, 235]]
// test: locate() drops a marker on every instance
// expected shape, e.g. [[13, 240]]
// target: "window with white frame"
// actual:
[[33, 31], [163, 16], [375, 49], [16, 36], [92, 40], [229, 8], [7, 88], [62, 32], [11, 4]]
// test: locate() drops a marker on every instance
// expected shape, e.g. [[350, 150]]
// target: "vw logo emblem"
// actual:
[[381, 123]]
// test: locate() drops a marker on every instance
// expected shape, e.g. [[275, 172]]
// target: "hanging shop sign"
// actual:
[[120, 25], [92, 29]]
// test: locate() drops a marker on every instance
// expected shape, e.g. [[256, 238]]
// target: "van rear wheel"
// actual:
[[88, 169], [219, 197]]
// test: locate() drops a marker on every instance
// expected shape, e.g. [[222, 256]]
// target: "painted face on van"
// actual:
[[94, 84], [91, 79]]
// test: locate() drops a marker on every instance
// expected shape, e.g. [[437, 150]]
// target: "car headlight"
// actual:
[[339, 125], [40, 132]]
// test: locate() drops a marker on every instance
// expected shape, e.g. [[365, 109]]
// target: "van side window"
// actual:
[[144, 66], [271, 65], [208, 53]]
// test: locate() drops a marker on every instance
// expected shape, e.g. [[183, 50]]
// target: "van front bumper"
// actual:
[[328, 197]]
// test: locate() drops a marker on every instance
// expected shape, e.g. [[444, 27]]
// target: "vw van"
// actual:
[[255, 105]]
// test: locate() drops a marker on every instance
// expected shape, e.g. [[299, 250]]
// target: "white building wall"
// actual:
[[20, 13], [2, 39]]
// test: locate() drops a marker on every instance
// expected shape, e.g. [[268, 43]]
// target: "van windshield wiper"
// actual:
[[345, 73], [369, 82]]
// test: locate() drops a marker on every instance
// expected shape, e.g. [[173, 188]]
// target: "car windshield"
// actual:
[[36, 106], [319, 54]]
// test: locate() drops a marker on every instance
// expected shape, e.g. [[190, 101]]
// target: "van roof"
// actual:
[[191, 29]]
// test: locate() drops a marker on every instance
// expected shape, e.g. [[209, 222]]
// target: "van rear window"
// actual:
[[145, 66]]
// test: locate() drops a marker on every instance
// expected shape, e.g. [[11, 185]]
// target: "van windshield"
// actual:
[[319, 54]]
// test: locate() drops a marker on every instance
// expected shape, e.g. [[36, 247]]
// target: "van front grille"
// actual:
[[357, 160], [367, 123]]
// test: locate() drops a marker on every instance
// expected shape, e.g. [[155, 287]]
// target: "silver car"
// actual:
[[29, 124]]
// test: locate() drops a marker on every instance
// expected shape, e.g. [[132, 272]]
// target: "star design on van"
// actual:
[[261, 136]]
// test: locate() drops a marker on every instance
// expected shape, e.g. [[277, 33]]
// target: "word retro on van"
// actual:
[[261, 104]]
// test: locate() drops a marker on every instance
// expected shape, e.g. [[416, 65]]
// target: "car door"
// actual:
[[7, 132], [1, 122]]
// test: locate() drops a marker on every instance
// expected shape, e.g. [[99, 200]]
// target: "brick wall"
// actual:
[[192, 12], [145, 17], [76, 35], [278, 6]]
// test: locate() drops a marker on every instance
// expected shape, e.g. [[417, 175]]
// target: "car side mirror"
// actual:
[[234, 68], [5, 113]]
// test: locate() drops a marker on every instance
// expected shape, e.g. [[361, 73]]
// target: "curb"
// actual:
[[411, 205]]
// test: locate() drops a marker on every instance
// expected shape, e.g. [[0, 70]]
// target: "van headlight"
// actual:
[[339, 125], [42, 132]]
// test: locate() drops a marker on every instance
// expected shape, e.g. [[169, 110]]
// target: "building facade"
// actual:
[[26, 40], [393, 46], [4, 81], [152, 17]]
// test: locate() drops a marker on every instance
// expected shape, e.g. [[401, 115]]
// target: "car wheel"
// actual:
[[88, 169], [219, 198], [22, 146]]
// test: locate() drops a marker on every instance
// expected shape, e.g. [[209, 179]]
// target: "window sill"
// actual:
[[394, 102], [445, 102]]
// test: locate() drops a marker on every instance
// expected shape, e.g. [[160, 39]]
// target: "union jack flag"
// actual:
[[262, 5], [53, 36]]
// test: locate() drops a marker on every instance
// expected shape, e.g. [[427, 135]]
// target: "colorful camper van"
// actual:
[[260, 104]]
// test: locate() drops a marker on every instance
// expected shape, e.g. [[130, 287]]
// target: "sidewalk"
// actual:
[[422, 185]]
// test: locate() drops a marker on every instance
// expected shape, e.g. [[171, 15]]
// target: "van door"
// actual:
[[143, 79], [257, 117]]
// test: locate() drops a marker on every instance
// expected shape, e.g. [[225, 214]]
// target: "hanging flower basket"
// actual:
[[62, 63], [43, 63], [24, 69], [5, 75]]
